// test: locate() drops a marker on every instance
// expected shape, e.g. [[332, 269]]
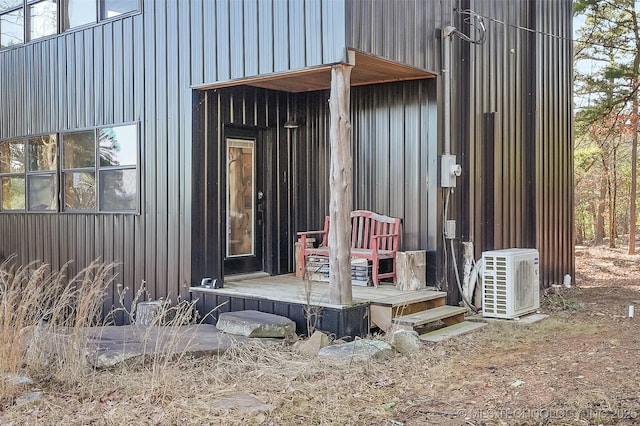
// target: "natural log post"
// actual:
[[340, 184]]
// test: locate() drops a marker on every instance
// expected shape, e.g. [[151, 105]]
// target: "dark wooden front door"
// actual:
[[244, 201]]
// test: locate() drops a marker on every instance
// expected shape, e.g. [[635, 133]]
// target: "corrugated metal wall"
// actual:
[[405, 31], [394, 148], [263, 111], [554, 138], [141, 68], [512, 106]]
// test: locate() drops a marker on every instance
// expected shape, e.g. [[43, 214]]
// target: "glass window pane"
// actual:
[[8, 4], [79, 191], [78, 12], [12, 156], [42, 192], [118, 190], [78, 150], [118, 146], [112, 8], [43, 153], [11, 28], [12, 193], [240, 200], [44, 19]]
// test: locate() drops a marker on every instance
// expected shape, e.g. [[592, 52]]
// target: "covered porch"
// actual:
[[307, 303]]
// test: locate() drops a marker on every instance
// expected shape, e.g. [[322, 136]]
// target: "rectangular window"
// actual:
[[12, 160], [11, 28], [112, 8], [89, 171], [109, 184], [25, 20], [42, 161], [76, 13], [43, 19]]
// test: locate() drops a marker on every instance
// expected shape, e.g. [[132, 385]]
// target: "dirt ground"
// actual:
[[578, 367]]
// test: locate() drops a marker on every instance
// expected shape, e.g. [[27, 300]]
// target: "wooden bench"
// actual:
[[373, 237]]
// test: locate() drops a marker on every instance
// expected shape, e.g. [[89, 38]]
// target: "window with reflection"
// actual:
[[118, 150], [82, 171], [25, 20], [100, 169], [12, 162], [76, 13], [43, 19], [11, 28], [42, 167]]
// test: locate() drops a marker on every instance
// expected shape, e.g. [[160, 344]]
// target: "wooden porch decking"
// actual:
[[290, 289]]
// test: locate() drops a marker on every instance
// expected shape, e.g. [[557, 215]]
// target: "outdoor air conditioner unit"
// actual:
[[510, 282]]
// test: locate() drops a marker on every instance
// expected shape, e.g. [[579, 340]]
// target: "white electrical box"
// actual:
[[510, 282], [449, 171]]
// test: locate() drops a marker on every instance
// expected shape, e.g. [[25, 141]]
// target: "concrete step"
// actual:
[[451, 331], [448, 314], [384, 310]]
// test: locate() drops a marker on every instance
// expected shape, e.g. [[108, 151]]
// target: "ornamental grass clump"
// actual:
[[43, 322]]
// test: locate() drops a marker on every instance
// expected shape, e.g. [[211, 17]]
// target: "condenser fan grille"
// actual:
[[510, 283]]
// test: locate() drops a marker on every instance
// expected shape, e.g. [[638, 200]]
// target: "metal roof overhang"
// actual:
[[367, 69]]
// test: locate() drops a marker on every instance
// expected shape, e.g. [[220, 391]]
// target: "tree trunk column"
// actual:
[[340, 185]]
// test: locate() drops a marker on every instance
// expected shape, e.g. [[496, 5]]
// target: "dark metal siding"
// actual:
[[141, 68], [512, 106], [264, 111], [405, 31], [394, 147]]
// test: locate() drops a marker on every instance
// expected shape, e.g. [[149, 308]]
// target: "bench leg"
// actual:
[[374, 267], [303, 256]]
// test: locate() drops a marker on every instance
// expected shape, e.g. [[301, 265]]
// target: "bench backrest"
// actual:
[[365, 225]]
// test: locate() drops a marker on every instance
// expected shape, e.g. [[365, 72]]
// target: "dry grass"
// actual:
[[43, 316], [577, 368]]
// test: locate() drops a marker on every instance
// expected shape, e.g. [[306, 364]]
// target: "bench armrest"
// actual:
[[310, 232]]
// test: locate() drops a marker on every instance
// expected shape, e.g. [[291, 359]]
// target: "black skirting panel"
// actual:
[[347, 322]]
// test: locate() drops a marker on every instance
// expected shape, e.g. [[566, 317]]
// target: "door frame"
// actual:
[[258, 261]]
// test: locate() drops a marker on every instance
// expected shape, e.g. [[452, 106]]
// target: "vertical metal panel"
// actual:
[[250, 25], [265, 37], [297, 29], [334, 32], [118, 73], [280, 35], [313, 28], [222, 45], [522, 82], [194, 15], [236, 38], [405, 31]]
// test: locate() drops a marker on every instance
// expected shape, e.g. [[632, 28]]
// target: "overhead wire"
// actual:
[[534, 31]]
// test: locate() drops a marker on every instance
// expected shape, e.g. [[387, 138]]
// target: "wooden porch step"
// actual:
[[451, 331], [448, 314], [409, 297], [384, 310]]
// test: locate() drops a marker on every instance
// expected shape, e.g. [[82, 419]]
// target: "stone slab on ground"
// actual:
[[28, 398], [312, 346], [256, 324], [405, 341], [111, 345], [523, 320], [358, 349], [242, 402], [445, 333]]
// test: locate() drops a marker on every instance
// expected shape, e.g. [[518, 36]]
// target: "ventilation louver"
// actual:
[[510, 283]]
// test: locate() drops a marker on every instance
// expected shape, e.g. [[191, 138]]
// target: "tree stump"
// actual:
[[411, 267]]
